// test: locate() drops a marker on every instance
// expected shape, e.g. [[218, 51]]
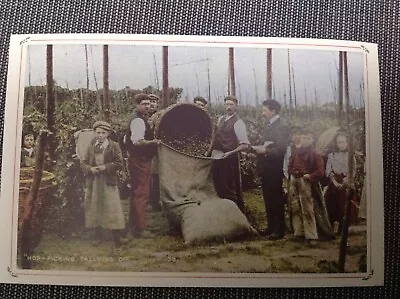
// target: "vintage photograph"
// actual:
[[230, 158]]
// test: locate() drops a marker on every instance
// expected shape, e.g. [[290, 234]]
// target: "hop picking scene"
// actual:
[[140, 158]]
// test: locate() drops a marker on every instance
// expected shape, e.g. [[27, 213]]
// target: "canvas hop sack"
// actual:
[[191, 202], [186, 187]]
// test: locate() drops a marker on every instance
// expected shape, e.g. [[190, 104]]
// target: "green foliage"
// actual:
[[78, 109]]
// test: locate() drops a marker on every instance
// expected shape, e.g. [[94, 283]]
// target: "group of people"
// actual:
[[286, 161], [103, 208], [284, 157]]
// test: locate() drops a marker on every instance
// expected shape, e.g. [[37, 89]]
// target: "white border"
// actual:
[[11, 144]]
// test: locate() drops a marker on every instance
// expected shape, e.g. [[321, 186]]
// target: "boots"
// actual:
[[118, 239], [97, 237]]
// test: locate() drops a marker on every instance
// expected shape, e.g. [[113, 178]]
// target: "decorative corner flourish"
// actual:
[[365, 49], [369, 275], [11, 272], [24, 40]]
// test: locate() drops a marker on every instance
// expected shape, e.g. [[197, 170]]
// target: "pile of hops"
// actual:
[[186, 128], [192, 145]]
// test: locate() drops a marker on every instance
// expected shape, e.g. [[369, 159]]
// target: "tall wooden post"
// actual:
[[290, 85], [350, 185], [106, 89], [51, 103], [340, 89], [269, 74], [232, 90], [165, 90]]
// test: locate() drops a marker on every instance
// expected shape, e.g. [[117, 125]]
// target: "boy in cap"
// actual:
[[102, 204], [306, 167], [200, 101], [154, 100]]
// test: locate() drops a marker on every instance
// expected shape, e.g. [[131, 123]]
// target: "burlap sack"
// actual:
[[191, 202]]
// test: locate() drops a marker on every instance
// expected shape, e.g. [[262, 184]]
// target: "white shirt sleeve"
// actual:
[[138, 129], [328, 169], [286, 162], [240, 130], [219, 120]]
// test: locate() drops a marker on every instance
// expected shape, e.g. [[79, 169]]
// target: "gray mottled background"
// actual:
[[363, 20]]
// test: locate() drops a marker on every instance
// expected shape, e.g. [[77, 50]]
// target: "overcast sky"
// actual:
[[139, 66]]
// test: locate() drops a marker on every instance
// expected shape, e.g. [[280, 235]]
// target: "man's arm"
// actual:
[[138, 129], [241, 134]]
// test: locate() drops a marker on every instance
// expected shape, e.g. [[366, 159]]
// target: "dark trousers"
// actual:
[[140, 170], [274, 203], [226, 178]]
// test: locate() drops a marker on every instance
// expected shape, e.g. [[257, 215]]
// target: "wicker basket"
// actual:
[[182, 122], [26, 179]]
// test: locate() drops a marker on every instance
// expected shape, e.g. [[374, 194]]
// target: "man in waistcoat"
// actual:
[[270, 156], [230, 138], [142, 148]]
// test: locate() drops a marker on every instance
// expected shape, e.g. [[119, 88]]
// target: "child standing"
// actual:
[[336, 171], [102, 204], [305, 168], [28, 150]]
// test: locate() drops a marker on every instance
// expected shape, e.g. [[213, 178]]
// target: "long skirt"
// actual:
[[102, 205]]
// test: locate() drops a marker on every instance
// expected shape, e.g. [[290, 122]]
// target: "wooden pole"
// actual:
[[209, 82], [340, 89], [25, 239], [350, 185], [269, 74], [165, 91], [294, 89], [290, 85], [156, 70], [232, 72], [106, 95], [51, 103]]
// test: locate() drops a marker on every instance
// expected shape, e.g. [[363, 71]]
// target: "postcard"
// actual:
[[150, 160]]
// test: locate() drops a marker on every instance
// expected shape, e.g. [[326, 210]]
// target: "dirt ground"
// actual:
[[165, 252]]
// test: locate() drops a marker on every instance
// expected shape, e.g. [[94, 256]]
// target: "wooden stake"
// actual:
[[269, 74], [350, 188], [106, 84], [165, 91], [340, 89], [232, 90], [50, 100]]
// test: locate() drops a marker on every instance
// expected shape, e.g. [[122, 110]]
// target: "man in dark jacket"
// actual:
[[270, 156], [141, 149]]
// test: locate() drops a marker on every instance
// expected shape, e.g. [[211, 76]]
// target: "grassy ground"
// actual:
[[165, 252]]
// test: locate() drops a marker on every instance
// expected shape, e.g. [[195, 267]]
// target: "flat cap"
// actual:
[[154, 97], [102, 124], [231, 98]]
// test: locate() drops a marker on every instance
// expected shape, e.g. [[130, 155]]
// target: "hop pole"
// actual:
[[350, 188]]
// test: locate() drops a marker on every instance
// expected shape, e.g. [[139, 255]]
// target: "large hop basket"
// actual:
[[185, 127], [25, 183]]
